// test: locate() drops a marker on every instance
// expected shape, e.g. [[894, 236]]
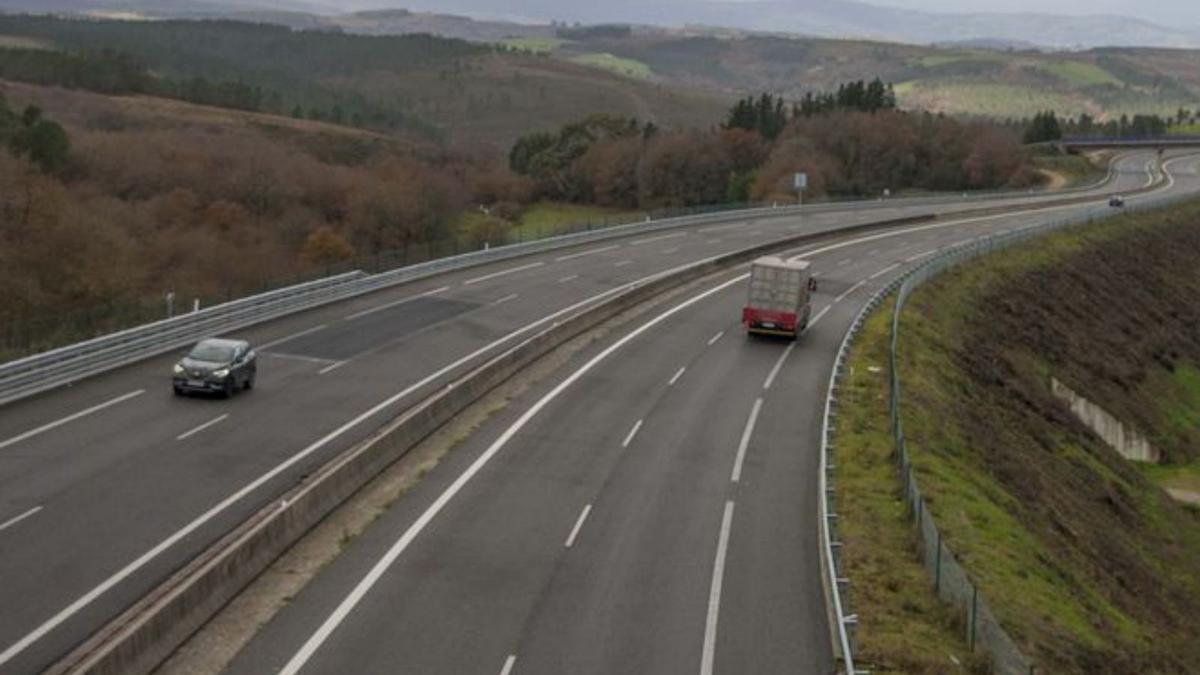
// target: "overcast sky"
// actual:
[[1175, 13], [1156, 11]]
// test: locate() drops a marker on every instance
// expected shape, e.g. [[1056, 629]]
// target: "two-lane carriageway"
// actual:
[[650, 508]]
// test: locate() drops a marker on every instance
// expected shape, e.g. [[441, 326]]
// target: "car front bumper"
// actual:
[[204, 384]]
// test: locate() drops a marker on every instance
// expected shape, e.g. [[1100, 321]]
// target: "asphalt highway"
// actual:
[[108, 486], [649, 509]]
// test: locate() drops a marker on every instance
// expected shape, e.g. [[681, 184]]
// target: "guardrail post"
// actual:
[[974, 617], [937, 565]]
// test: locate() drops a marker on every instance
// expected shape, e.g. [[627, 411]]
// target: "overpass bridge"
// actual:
[[1160, 143]]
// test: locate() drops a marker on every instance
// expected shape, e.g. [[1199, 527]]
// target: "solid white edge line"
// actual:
[[796, 254], [333, 366], [819, 315], [913, 258], [747, 432], [675, 378], [572, 256], [578, 526], [639, 242], [364, 586], [200, 428], [713, 340], [293, 336], [723, 227], [501, 273], [632, 432], [778, 365], [70, 418], [848, 291], [508, 664], [714, 593], [13, 521], [884, 271], [394, 303]]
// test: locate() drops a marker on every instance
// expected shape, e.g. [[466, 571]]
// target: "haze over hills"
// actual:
[[842, 18], [826, 18], [649, 65]]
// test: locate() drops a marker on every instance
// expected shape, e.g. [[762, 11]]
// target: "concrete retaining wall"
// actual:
[[1126, 441]]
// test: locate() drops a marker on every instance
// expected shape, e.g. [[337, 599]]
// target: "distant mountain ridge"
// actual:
[[816, 18], [842, 19]]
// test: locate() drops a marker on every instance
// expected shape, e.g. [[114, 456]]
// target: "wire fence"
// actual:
[[951, 581]]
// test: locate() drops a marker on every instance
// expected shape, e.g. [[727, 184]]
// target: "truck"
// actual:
[[780, 298]]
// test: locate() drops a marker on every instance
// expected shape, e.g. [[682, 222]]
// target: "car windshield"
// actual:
[[209, 351]]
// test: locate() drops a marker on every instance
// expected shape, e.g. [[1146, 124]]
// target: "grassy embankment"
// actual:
[[1088, 563], [547, 219], [1067, 170]]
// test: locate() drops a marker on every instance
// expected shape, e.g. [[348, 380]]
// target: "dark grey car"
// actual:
[[216, 366]]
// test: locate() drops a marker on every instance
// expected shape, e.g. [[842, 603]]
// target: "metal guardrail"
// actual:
[[983, 628], [41, 372]]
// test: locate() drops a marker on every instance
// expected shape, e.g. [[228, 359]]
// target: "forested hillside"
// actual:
[[435, 88], [216, 159], [1104, 83]]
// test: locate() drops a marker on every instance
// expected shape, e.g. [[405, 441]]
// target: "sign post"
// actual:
[[800, 182]]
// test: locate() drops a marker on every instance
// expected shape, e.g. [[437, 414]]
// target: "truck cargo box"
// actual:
[[779, 297]]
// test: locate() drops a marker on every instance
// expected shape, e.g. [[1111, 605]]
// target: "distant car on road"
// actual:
[[216, 366], [1116, 201]]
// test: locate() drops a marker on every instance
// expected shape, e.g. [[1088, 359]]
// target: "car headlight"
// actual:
[[221, 374], [178, 369]]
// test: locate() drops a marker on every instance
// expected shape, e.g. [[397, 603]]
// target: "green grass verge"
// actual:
[[1087, 569], [548, 218], [903, 627], [615, 64], [1075, 170]]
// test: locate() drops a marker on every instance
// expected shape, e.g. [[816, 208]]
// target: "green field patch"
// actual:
[[1078, 73], [979, 98], [938, 60], [537, 45], [23, 42], [615, 64]]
